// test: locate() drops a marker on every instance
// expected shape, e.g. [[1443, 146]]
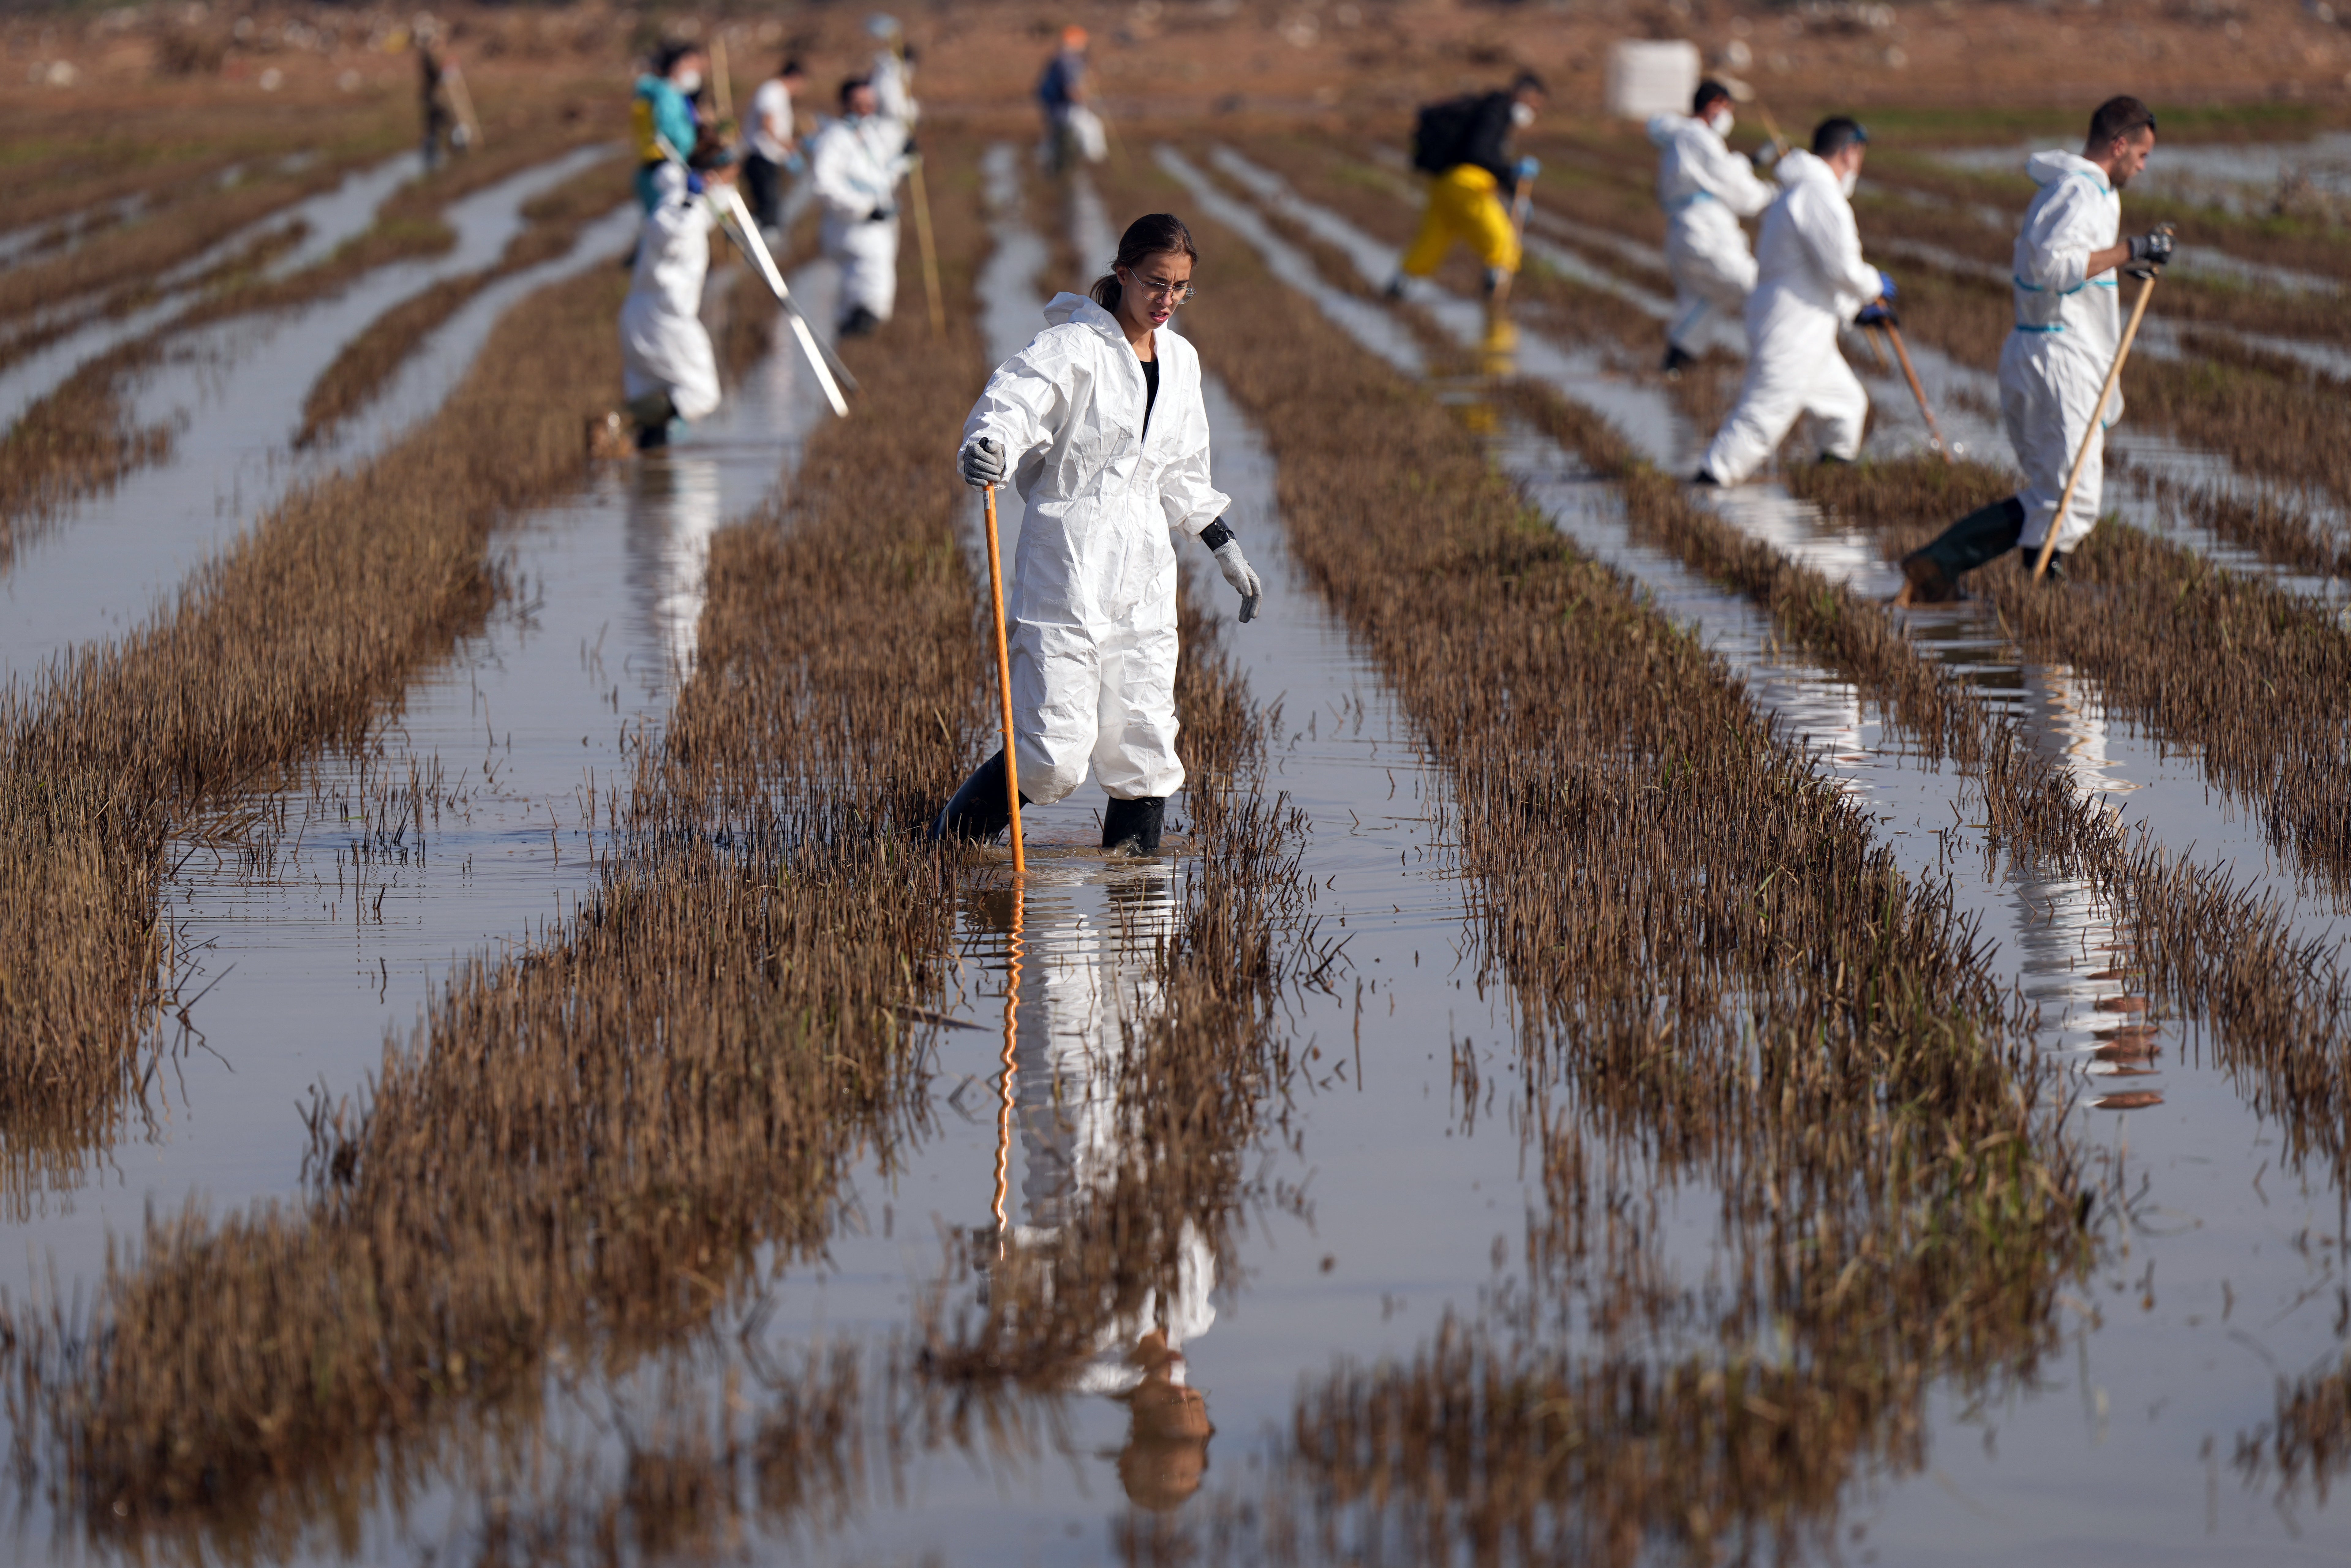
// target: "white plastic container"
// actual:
[[1647, 77]]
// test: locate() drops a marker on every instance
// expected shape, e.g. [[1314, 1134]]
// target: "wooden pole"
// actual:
[[1894, 335], [2098, 412], [722, 84], [929, 247], [1004, 686]]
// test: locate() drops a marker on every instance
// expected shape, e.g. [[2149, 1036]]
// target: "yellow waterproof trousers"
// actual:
[[1464, 203]]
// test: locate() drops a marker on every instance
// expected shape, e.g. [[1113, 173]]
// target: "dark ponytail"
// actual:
[[1153, 234]]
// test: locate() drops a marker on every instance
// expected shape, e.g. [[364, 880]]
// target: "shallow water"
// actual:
[[235, 392], [305, 968], [2218, 1238]]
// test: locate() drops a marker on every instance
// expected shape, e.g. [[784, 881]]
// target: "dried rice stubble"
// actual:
[[1754, 992], [588, 1148]]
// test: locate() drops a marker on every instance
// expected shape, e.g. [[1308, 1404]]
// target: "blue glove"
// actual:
[[1885, 285], [1527, 169], [694, 186], [1878, 314]]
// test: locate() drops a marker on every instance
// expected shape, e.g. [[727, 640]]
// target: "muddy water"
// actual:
[[235, 392], [2224, 1270], [327, 219], [517, 742]]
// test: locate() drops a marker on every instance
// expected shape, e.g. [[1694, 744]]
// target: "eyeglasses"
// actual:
[[1160, 289]]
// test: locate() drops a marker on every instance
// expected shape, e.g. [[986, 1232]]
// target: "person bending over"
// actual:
[[1706, 189], [1464, 143]]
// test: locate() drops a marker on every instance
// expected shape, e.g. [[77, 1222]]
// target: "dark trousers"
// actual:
[[1982, 536], [763, 183]]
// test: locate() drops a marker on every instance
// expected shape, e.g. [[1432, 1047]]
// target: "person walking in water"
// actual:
[[1072, 130], [771, 145], [1464, 143], [2068, 328], [1706, 189], [1098, 424], [854, 165], [668, 371], [1811, 280]]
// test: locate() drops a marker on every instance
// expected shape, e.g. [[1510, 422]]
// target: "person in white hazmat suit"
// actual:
[[854, 165], [1706, 189], [1099, 424], [668, 371], [2068, 328], [893, 71], [1811, 280]]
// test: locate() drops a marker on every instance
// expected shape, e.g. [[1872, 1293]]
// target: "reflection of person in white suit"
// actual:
[[1076, 1114], [673, 512]]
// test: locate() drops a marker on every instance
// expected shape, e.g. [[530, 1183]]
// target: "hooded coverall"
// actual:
[[1706, 189], [1811, 280], [2067, 328], [854, 167], [1094, 583], [663, 347]]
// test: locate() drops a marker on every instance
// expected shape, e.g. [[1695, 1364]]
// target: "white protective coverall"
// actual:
[[2067, 328], [663, 347], [1094, 583], [1811, 281], [854, 167], [894, 87], [1706, 189]]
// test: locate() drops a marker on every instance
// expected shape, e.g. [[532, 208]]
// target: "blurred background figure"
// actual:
[[854, 165], [668, 370], [1706, 189], [662, 116], [436, 85], [894, 70], [1073, 131], [772, 143], [1464, 143]]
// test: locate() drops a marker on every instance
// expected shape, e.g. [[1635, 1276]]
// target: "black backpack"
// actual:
[[1440, 132]]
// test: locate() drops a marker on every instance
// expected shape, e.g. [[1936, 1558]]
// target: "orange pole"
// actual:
[[1004, 687]]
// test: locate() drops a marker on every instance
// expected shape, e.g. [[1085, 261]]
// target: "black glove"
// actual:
[[2149, 251], [1877, 313], [910, 149], [881, 214]]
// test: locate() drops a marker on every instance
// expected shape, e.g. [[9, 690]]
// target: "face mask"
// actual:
[[1848, 180], [1522, 115], [1722, 122], [688, 82]]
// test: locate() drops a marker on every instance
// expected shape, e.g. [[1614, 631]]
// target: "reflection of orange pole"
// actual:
[[1011, 1037], [1004, 687]]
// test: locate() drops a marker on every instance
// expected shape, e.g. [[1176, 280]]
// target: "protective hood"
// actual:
[[2048, 168], [1664, 128], [1800, 167], [1065, 307]]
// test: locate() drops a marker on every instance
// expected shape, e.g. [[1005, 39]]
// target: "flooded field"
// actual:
[[1636, 1048]]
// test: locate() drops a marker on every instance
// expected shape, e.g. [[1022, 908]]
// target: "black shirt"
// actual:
[[1150, 392], [1486, 145]]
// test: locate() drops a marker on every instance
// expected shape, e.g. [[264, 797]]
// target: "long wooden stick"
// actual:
[[745, 231], [2096, 431], [1934, 430], [1004, 686], [930, 249], [722, 80], [464, 99]]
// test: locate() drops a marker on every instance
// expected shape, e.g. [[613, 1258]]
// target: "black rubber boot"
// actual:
[[1931, 575], [978, 811], [1133, 827], [859, 323]]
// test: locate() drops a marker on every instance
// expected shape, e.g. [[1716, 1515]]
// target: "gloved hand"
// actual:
[[1241, 575], [1526, 169], [981, 462], [1763, 157], [1877, 313], [881, 214], [1885, 285], [693, 184], [2150, 250]]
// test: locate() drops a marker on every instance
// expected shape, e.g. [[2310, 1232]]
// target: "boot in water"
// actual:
[[1931, 575], [978, 811], [1133, 827]]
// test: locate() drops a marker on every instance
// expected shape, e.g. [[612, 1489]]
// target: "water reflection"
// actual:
[[677, 505]]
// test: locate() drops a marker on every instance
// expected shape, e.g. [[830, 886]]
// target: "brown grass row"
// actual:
[[585, 1147], [322, 614], [1729, 982]]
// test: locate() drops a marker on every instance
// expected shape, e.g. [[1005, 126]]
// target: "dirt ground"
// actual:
[[72, 73]]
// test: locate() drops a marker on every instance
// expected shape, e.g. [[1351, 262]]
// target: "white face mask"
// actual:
[[1847, 181], [688, 82], [1722, 122], [1522, 115]]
